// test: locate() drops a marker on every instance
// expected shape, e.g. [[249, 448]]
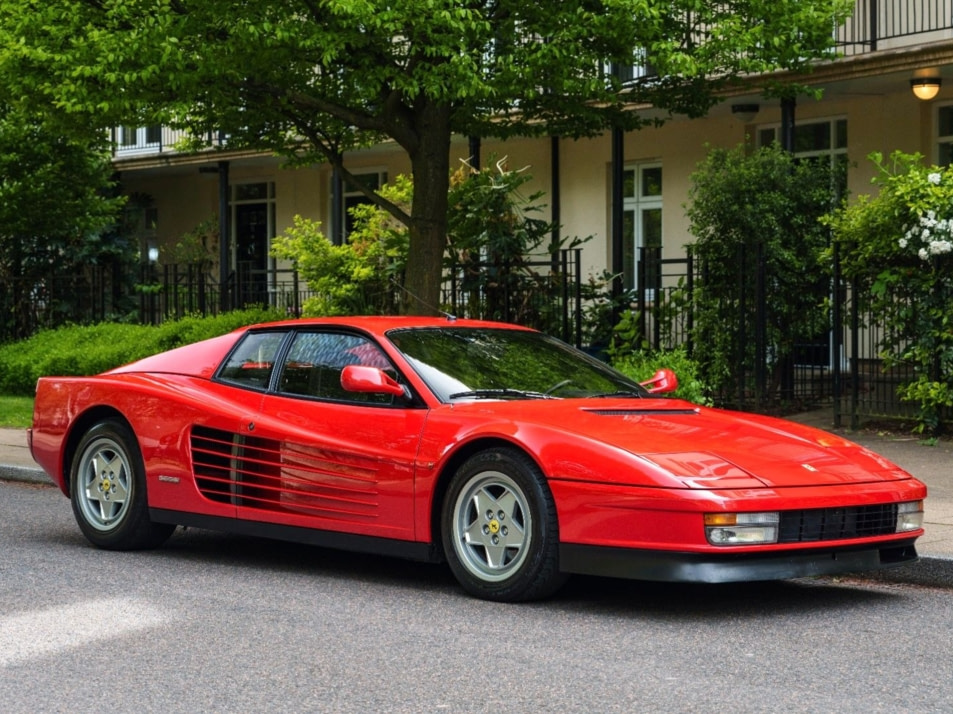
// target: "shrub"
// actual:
[[361, 276], [759, 214], [85, 350], [640, 366]]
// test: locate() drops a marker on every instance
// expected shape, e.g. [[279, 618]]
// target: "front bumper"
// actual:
[[666, 566]]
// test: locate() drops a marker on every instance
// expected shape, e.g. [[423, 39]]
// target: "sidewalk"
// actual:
[[931, 464]]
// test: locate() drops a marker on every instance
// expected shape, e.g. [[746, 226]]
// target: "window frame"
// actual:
[[635, 206]]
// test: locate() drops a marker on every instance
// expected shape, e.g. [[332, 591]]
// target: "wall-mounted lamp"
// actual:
[[745, 112], [925, 88]]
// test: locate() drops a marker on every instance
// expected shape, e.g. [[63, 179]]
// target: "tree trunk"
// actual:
[[430, 163]]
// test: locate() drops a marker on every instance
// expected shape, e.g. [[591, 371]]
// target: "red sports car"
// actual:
[[512, 456]]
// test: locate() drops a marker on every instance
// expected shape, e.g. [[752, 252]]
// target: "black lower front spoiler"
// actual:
[[676, 567]]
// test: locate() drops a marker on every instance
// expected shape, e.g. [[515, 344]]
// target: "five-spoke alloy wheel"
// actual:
[[499, 527], [108, 490]]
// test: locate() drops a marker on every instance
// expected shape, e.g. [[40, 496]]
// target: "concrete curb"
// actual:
[[24, 474]]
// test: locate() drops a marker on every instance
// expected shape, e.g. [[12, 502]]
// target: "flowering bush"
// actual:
[[930, 235], [898, 245]]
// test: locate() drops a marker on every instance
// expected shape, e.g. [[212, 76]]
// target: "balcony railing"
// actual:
[[131, 141], [889, 24]]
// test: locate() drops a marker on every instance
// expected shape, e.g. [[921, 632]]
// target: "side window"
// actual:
[[253, 361], [641, 217], [944, 139], [316, 359]]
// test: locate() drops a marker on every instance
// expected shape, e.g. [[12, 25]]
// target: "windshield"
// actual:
[[486, 363]]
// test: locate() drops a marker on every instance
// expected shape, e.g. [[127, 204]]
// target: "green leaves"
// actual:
[[346, 74], [775, 230]]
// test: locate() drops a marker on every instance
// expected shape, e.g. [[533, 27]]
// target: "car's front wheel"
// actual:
[[108, 490], [499, 527]]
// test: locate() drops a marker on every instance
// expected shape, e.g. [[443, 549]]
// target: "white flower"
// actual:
[[934, 178], [903, 242], [938, 247], [924, 255]]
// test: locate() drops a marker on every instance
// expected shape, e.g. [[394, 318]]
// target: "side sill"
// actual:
[[676, 567], [409, 550]]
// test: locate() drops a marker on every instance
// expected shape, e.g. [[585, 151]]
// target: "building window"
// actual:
[[813, 138], [817, 140], [944, 139], [353, 196], [141, 137], [641, 216]]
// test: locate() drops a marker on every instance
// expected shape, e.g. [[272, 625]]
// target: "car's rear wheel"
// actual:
[[108, 490], [499, 527]]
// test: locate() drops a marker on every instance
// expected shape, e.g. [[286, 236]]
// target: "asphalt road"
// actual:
[[214, 623]]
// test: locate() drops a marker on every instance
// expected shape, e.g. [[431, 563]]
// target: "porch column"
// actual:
[[618, 249], [554, 181], [475, 146], [786, 366], [788, 105], [337, 211], [224, 236]]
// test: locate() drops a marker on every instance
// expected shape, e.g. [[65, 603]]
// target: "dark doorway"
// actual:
[[253, 215]]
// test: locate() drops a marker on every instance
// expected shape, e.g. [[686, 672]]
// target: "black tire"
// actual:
[[108, 490], [499, 528]]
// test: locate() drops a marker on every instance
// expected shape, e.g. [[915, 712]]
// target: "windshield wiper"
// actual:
[[620, 393], [503, 393]]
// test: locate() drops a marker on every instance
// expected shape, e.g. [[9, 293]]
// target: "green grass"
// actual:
[[16, 412]]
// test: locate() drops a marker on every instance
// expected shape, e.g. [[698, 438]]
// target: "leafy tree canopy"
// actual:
[[55, 210], [51, 186], [311, 79]]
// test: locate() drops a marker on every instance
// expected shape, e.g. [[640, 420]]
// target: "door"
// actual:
[[251, 246], [345, 460]]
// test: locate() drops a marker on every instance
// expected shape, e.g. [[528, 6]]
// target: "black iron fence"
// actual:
[[173, 291], [843, 365], [30, 304], [853, 365], [545, 294]]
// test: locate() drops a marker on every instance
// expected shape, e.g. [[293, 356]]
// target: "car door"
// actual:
[[338, 460]]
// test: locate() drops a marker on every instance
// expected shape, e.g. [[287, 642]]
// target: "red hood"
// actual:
[[712, 448]]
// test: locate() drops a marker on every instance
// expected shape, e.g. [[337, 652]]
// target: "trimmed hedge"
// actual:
[[86, 350]]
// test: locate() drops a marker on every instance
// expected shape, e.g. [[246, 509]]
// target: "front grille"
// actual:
[[819, 524]]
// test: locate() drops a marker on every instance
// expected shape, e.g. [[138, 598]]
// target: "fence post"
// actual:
[[760, 330], [855, 354], [641, 302], [690, 302], [837, 336], [577, 272], [742, 324]]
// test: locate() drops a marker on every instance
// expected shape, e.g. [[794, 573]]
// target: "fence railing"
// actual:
[[544, 294], [844, 366]]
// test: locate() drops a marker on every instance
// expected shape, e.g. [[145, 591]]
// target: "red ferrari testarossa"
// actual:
[[514, 457]]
